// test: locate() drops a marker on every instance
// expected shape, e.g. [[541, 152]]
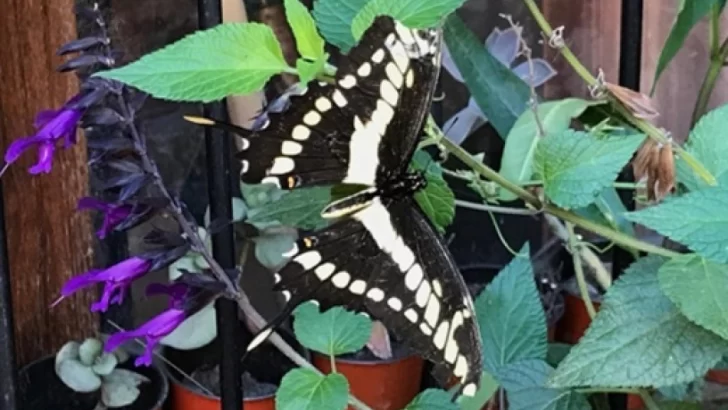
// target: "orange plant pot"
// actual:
[[382, 385], [719, 376], [575, 321], [184, 398]]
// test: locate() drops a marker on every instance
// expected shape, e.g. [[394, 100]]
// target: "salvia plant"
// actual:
[[86, 368], [660, 326]]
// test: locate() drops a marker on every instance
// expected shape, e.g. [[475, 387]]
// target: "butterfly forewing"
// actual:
[[387, 260]]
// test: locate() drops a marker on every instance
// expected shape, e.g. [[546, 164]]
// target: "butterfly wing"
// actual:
[[387, 260], [355, 130]]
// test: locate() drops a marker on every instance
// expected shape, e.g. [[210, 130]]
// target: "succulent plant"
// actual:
[[86, 368]]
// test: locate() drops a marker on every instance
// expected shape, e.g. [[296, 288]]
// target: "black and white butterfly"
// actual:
[[381, 256]]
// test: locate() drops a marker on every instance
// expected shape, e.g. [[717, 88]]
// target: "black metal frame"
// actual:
[[218, 148]]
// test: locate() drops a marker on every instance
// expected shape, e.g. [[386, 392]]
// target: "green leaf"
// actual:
[[708, 143], [300, 208], [412, 13], [307, 70], [510, 315], [258, 195], [697, 219], [334, 19], [305, 389], [608, 210], [333, 332], [554, 118], [639, 338], [576, 166], [233, 58], [432, 399], [557, 352], [697, 286], [488, 386], [500, 94], [689, 14], [437, 199], [270, 249], [680, 405], [525, 383], [308, 42]]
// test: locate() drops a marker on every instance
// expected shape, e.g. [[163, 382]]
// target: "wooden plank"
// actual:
[[592, 33], [677, 90], [48, 241]]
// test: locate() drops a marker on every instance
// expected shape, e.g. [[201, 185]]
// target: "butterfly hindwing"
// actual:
[[408, 281]]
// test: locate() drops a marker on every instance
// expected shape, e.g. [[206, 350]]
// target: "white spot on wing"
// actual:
[[432, 311], [423, 293], [358, 287], [339, 99], [324, 271], [402, 254], [341, 279], [259, 338], [312, 118], [381, 117], [378, 56], [389, 93], [349, 81], [404, 33], [323, 104], [451, 350], [286, 295], [281, 165], [394, 75], [437, 287], [291, 148], [364, 152], [308, 259], [245, 166], [426, 329], [400, 56], [375, 294], [410, 79], [414, 277], [461, 367], [244, 144], [271, 180], [395, 303], [276, 278], [441, 335], [470, 390], [364, 70], [301, 132], [411, 315]]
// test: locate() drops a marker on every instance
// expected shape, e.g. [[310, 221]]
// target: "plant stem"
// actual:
[[493, 208], [533, 201], [574, 246], [649, 401], [645, 126], [617, 390], [718, 56]]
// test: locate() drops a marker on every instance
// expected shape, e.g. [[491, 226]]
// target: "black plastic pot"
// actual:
[[40, 389]]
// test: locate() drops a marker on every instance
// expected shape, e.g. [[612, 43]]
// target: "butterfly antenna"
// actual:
[[217, 124], [267, 330]]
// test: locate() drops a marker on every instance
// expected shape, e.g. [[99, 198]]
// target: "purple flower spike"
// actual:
[[176, 292], [153, 331], [114, 214], [52, 126], [116, 279]]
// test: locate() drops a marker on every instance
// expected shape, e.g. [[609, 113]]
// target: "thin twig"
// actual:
[[579, 271], [494, 208]]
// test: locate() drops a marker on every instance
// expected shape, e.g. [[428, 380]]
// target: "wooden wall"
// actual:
[[48, 242]]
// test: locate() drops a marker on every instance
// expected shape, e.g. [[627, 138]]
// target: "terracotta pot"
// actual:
[[184, 398], [41, 389], [719, 376], [382, 385], [575, 321], [634, 402]]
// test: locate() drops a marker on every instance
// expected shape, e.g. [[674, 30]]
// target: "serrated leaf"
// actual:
[[77, 376], [554, 118], [689, 14], [307, 70], [333, 332], [608, 210], [305, 389], [698, 220], [334, 18], [697, 287], [412, 13], [299, 208], [708, 143], [437, 199], [525, 383], [639, 338], [308, 42], [500, 94], [488, 387], [232, 58], [432, 399], [89, 350], [576, 166], [105, 364], [510, 315], [270, 248]]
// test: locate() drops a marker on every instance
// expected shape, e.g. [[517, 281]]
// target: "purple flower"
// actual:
[[153, 331], [177, 293], [114, 214], [52, 126], [116, 279]]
